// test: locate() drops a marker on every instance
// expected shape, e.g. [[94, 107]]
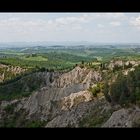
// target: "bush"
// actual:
[[136, 124], [35, 124], [9, 109], [128, 66], [95, 90], [106, 91], [117, 68]]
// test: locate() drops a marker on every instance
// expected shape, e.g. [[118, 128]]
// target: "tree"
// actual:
[[82, 62], [95, 90], [126, 89], [106, 91], [127, 66], [76, 65], [51, 78], [42, 69], [103, 66]]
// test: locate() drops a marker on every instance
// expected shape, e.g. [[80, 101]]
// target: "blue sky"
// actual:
[[93, 27]]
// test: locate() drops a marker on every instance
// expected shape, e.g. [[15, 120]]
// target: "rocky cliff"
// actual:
[[65, 92], [125, 117], [65, 101], [62, 102]]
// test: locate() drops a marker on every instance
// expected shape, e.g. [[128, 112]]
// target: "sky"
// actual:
[[92, 27]]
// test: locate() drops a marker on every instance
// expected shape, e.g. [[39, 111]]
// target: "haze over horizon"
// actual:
[[70, 27]]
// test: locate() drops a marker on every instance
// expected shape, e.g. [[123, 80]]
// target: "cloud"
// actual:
[[69, 23], [135, 21], [65, 26], [115, 15], [41, 28], [108, 16], [115, 23], [60, 23], [71, 20]]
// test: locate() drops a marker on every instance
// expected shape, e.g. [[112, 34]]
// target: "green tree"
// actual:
[[82, 62], [106, 91]]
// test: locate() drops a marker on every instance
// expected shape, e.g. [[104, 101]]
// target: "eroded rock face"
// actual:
[[75, 98], [122, 63], [2, 76], [3, 66], [69, 88], [64, 101], [73, 116], [16, 70], [76, 114], [115, 63], [9, 70], [75, 76], [124, 118]]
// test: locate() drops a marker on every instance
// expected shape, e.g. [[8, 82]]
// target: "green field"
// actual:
[[36, 58], [64, 58]]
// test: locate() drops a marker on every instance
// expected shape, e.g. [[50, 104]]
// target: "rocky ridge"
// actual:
[[66, 102]]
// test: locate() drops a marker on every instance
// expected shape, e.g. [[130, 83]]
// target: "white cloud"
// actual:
[[16, 25], [108, 16], [115, 15], [135, 21], [66, 26], [37, 28], [85, 18], [115, 23], [69, 22]]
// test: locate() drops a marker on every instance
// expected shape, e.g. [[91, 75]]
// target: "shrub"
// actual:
[[35, 124], [9, 109], [94, 90]]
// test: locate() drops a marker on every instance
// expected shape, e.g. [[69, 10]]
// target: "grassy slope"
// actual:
[[36, 58]]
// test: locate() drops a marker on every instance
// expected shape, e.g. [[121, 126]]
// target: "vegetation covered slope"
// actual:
[[25, 85], [125, 89], [51, 60]]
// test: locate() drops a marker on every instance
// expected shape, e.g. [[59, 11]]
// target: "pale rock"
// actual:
[[123, 118]]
